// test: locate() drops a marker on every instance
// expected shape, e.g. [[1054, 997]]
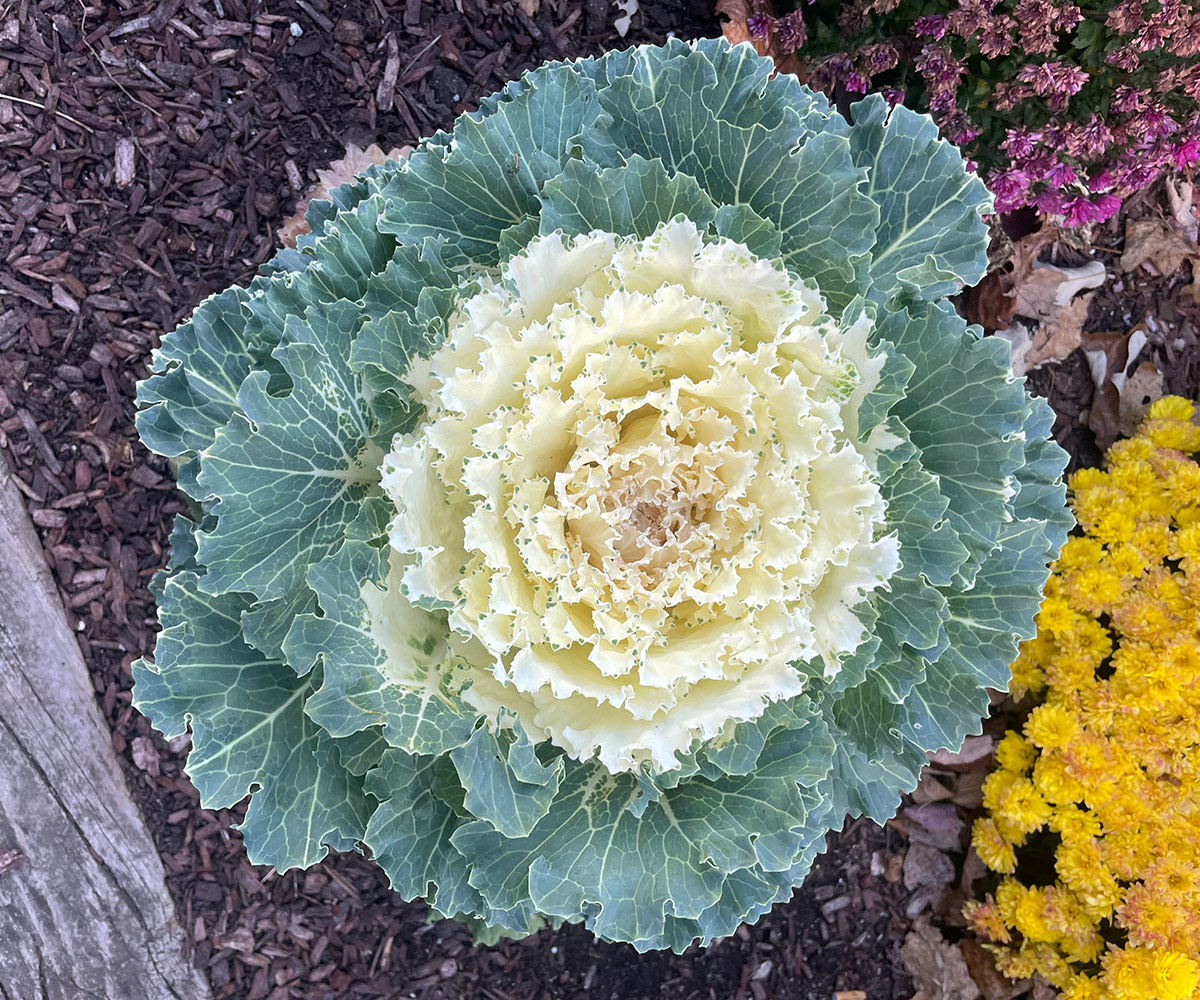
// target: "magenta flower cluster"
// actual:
[[1103, 98]]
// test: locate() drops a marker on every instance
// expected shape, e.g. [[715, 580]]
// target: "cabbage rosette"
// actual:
[[596, 508]]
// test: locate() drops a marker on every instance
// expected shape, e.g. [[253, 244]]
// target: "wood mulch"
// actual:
[[148, 154]]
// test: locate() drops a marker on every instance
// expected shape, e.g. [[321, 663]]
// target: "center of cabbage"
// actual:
[[639, 495]]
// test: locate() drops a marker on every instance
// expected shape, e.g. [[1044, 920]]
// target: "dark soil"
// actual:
[[229, 107]]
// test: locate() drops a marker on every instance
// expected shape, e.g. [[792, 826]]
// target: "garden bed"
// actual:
[[150, 160]]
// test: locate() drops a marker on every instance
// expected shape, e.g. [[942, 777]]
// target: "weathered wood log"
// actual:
[[84, 910]]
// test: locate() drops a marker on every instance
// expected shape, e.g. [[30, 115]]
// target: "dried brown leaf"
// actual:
[[937, 967], [1184, 208], [622, 22], [336, 174], [1060, 334], [1107, 355], [1047, 289], [144, 754], [968, 787], [930, 788], [993, 302], [973, 870], [1135, 394], [974, 750], [982, 969], [1156, 242]]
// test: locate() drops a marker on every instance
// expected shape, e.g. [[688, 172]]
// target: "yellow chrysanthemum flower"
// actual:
[[1051, 727], [1110, 759], [993, 848]]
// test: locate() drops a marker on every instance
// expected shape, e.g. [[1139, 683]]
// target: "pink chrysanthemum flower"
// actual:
[[932, 26], [1186, 153], [1104, 207], [1061, 174]]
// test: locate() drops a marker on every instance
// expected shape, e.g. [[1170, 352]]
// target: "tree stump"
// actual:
[[84, 909]]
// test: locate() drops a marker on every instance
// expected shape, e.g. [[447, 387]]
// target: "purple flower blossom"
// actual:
[[1078, 212], [971, 17], [958, 128], [1051, 202], [857, 83], [1036, 19], [932, 26], [1096, 135], [1185, 41], [1052, 79], [879, 58], [1126, 100], [1101, 180], [892, 96], [939, 66], [1186, 153], [1104, 207], [791, 32], [1010, 188], [1067, 16], [997, 38], [1061, 174], [1018, 143], [1123, 58], [1125, 17], [1155, 123], [1152, 34], [759, 25], [1039, 163]]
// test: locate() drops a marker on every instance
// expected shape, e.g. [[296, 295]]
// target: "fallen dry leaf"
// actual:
[[144, 754], [937, 817], [968, 787], [993, 302], [1060, 334], [1047, 288], [1156, 242], [1020, 339], [628, 8], [1184, 208], [1056, 297], [530, 7], [937, 967], [1135, 394], [982, 969], [973, 870], [338, 173], [930, 788], [974, 749], [1107, 354]]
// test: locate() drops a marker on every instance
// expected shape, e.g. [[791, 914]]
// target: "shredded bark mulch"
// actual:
[[148, 154]]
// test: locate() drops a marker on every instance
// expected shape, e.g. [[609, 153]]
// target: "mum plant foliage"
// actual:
[[596, 508], [1067, 106]]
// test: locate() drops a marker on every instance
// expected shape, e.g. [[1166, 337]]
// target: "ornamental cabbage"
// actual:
[[597, 507]]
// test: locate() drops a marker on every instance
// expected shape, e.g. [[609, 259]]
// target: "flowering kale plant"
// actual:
[[1066, 106], [598, 506]]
